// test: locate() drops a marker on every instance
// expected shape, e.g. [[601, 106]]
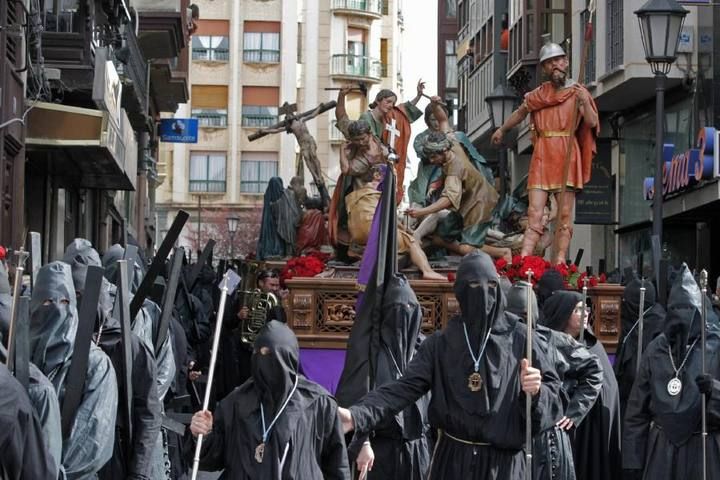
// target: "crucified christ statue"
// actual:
[[295, 123]]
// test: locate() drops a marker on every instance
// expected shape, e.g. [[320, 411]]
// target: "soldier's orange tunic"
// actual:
[[551, 115]]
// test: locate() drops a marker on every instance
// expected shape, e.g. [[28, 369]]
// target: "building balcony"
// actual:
[[82, 147], [133, 71], [207, 186], [169, 85], [371, 9], [356, 68], [481, 83], [165, 27]]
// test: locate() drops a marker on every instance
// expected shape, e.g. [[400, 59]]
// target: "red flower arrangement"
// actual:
[[517, 270], [304, 266]]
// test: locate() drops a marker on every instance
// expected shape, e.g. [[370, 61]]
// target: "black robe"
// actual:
[[662, 432], [379, 351], [306, 442], [442, 366], [24, 455], [146, 409], [596, 442], [582, 376], [627, 353]]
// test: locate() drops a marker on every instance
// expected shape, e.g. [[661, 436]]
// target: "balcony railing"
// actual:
[[209, 186], [373, 8], [356, 66], [211, 120], [260, 121], [261, 56], [211, 54]]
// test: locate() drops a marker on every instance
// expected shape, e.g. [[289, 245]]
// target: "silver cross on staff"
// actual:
[[394, 133]]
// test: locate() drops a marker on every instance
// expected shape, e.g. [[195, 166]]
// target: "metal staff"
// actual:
[[17, 286], [584, 313], [703, 290], [528, 398], [211, 370], [641, 320]]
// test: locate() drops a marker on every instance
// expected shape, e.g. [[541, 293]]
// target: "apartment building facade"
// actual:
[[82, 84], [248, 59]]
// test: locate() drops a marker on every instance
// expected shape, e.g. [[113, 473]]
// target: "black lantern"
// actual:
[[501, 103], [660, 24], [232, 224]]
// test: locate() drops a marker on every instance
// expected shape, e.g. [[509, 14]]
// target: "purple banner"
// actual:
[[323, 366]]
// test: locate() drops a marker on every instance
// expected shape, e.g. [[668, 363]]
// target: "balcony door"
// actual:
[[356, 52]]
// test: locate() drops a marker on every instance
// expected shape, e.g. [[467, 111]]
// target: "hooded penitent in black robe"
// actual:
[[134, 461], [662, 433], [270, 244], [146, 325], [627, 353], [596, 441], [40, 391], [581, 376], [306, 441], [24, 455], [481, 434], [53, 324]]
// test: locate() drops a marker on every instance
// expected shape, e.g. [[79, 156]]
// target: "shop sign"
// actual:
[[107, 87], [685, 170], [179, 130]]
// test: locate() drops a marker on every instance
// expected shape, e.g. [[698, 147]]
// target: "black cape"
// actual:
[[662, 432], [383, 341], [133, 461], [146, 409], [24, 455], [306, 442], [627, 353], [442, 366], [596, 440], [581, 376]]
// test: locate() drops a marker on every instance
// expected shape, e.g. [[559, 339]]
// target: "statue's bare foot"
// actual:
[[433, 275]]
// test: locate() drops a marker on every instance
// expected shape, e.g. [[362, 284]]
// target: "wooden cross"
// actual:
[[394, 133], [288, 108]]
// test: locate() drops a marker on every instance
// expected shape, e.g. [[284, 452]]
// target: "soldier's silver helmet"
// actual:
[[550, 50]]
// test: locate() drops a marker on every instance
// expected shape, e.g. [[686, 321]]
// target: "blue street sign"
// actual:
[[179, 130]]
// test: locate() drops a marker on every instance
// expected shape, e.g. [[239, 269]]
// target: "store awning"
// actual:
[[83, 144]]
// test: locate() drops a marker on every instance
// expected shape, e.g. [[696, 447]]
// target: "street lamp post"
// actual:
[[232, 224], [501, 103], [660, 24]]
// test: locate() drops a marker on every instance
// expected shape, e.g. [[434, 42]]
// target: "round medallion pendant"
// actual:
[[674, 386]]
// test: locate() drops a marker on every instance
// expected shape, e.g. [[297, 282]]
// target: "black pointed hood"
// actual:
[[517, 301], [109, 262], [631, 302], [275, 373], [53, 319], [683, 321], [80, 254], [479, 294]]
